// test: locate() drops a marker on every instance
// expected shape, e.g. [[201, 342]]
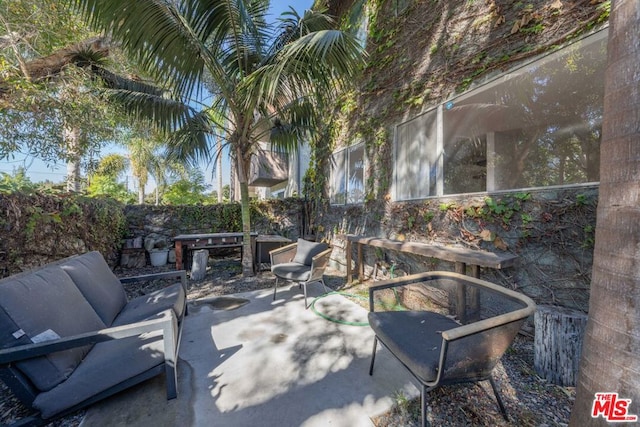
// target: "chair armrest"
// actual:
[[318, 264], [178, 274], [283, 254], [486, 324], [529, 305], [168, 324], [461, 344]]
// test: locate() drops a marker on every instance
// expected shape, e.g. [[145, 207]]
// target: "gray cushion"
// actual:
[[292, 271], [98, 284], [413, 337], [108, 364], [306, 250], [48, 300], [172, 297]]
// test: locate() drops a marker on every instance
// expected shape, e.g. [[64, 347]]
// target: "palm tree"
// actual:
[[265, 81], [145, 158], [610, 361], [140, 157]]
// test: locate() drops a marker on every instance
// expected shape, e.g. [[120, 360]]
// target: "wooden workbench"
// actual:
[[462, 257]]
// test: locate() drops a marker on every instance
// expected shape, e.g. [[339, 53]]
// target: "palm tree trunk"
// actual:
[[140, 193], [610, 361], [71, 138], [242, 169], [219, 157]]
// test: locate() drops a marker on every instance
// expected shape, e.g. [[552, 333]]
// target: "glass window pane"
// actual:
[[338, 189], [538, 126], [465, 165], [355, 183], [416, 157]]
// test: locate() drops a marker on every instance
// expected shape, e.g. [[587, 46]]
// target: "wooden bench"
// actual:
[[462, 257]]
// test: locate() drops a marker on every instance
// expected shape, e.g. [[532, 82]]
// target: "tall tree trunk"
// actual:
[[71, 138], [610, 360], [242, 169], [140, 193], [219, 170], [233, 179]]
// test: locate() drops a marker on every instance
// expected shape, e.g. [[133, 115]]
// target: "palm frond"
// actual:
[[117, 81], [155, 33], [165, 114], [320, 62], [191, 143], [292, 26], [292, 124]]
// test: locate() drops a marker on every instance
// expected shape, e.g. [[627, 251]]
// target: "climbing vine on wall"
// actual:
[[420, 53], [39, 228]]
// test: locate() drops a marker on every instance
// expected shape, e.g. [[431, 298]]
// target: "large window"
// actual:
[[536, 126], [416, 157], [347, 175]]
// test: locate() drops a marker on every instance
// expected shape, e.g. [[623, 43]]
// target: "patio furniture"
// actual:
[[189, 242], [302, 262], [446, 328], [69, 337]]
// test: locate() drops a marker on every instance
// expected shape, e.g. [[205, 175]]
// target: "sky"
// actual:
[[39, 171]]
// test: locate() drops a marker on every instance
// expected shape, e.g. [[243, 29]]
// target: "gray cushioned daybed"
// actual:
[[69, 337]]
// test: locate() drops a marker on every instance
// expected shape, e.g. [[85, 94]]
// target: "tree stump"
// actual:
[[199, 264], [559, 333]]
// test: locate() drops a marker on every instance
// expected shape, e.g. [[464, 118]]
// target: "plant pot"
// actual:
[[159, 257]]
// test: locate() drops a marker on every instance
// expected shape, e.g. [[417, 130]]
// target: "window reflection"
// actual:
[[537, 126], [338, 190], [347, 175], [356, 175], [416, 157]]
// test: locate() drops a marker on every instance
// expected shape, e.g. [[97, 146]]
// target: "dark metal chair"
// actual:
[[446, 328]]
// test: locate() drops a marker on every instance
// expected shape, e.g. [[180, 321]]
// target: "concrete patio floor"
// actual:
[[267, 363]]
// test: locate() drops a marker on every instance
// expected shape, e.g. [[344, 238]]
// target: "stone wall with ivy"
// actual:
[[283, 217], [37, 228], [551, 231]]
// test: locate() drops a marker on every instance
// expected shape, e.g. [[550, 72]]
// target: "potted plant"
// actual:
[[158, 249]]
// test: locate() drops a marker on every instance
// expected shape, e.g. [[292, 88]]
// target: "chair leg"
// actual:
[[326, 290], [373, 354], [275, 289], [499, 399], [304, 287]]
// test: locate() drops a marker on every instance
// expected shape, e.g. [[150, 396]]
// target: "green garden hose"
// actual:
[[398, 306], [333, 319]]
